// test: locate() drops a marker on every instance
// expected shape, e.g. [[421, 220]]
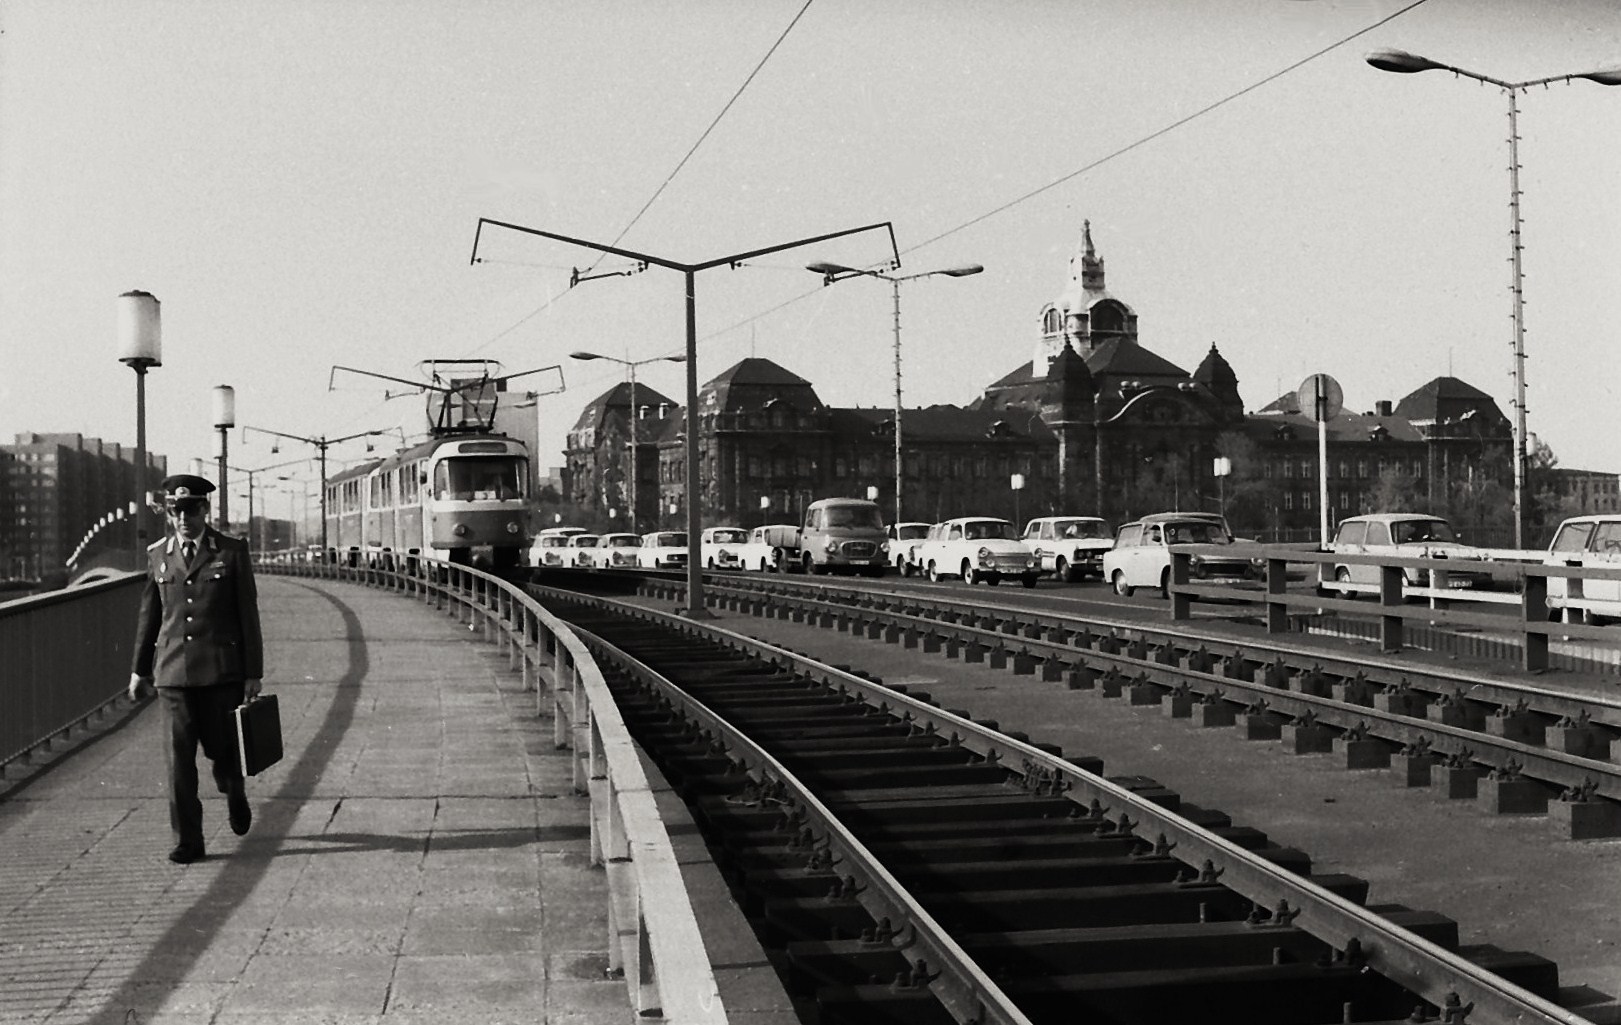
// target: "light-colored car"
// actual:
[[578, 551], [977, 549], [615, 551], [900, 544], [1407, 536], [843, 535], [1590, 542], [1069, 547], [721, 546], [1141, 556], [773, 548], [663, 549], [550, 546]]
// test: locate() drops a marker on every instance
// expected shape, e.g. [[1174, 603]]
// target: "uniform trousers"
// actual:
[[198, 716]]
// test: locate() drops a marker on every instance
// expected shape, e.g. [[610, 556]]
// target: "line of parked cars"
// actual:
[[847, 535]]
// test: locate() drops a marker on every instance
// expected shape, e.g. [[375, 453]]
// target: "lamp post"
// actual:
[[1403, 63], [631, 365], [695, 581], [321, 444], [224, 420], [832, 272], [140, 347]]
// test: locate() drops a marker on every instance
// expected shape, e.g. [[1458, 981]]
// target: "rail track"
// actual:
[[905, 863], [1508, 745]]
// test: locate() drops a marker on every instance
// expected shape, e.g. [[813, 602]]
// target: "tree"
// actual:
[[1396, 491], [1249, 498]]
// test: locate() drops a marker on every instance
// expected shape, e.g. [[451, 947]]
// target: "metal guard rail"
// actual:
[[1436, 974], [64, 661], [1532, 624], [653, 935]]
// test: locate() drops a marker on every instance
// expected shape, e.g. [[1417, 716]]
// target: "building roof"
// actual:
[[1448, 398], [943, 423], [750, 383], [1347, 427], [618, 397]]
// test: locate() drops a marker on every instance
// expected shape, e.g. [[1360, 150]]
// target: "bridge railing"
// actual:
[[1520, 586], [653, 933], [64, 661]]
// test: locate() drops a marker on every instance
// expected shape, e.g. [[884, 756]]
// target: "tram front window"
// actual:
[[480, 479]]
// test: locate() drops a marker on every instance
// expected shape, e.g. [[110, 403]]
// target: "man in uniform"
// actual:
[[197, 640]]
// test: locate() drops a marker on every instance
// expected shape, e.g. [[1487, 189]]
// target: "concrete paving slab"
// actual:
[[417, 856]]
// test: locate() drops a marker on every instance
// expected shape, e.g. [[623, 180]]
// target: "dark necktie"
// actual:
[[188, 549]]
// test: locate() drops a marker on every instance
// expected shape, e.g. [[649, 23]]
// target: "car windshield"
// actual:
[[1196, 533], [988, 530], [854, 516], [670, 540], [725, 537], [625, 541], [554, 542], [582, 540], [1409, 532], [912, 533], [1081, 529]]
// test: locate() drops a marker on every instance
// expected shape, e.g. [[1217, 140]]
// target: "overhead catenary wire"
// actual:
[[659, 191], [1099, 162]]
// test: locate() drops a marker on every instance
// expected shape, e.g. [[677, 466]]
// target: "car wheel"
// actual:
[[1165, 583], [1343, 576], [1029, 579], [970, 576], [991, 580], [1122, 588], [903, 567], [1061, 571], [934, 573]]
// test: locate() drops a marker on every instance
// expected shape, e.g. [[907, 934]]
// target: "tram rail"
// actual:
[[903, 832], [1508, 745]]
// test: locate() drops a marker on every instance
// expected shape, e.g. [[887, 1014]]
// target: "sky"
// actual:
[[299, 183]]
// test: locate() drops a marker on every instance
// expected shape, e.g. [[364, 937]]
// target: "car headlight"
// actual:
[[830, 546], [984, 556], [1030, 563]]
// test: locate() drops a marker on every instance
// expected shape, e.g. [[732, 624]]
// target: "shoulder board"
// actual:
[[159, 543]]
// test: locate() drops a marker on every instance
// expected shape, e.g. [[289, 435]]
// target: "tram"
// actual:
[[461, 498], [462, 495]]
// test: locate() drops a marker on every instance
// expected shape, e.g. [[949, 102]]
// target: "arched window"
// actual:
[[1049, 321], [1108, 317]]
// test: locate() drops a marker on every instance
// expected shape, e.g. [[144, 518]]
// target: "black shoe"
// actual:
[[236, 803], [185, 854]]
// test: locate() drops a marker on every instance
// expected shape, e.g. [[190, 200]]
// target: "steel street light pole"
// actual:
[[832, 272], [1403, 63], [140, 347], [630, 365], [321, 445], [695, 583]]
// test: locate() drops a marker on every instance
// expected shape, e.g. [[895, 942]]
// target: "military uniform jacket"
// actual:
[[199, 623]]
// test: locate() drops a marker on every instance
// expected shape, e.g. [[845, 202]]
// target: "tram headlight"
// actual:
[[513, 527], [460, 530]]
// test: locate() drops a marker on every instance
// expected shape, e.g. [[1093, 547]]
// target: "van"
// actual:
[[1589, 542], [843, 535]]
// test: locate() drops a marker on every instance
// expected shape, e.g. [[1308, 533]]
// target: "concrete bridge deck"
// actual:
[[419, 855]]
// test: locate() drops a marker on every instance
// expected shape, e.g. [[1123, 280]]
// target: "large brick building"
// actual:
[[1094, 421]]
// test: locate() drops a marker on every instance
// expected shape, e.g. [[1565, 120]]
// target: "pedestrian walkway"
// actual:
[[420, 854]]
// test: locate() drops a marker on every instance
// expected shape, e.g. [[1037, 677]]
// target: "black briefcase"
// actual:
[[258, 734]]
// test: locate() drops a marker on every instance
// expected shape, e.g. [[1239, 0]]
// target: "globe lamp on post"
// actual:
[[224, 420], [140, 347]]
